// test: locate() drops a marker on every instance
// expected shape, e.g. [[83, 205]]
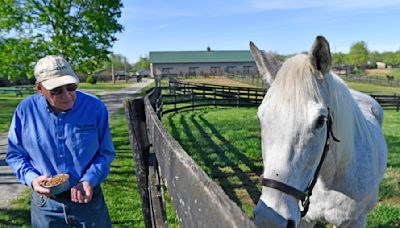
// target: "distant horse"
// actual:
[[389, 77], [323, 150]]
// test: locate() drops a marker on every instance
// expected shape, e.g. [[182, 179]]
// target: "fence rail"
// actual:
[[159, 159], [185, 95], [372, 79]]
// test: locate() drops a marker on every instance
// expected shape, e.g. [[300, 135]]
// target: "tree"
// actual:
[[358, 55], [142, 64], [340, 58], [17, 56], [82, 31], [119, 62]]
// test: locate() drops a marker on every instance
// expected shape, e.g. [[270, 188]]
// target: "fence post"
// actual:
[[192, 97], [136, 118], [237, 98], [175, 102], [215, 97]]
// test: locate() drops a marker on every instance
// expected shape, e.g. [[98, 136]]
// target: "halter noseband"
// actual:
[[303, 196]]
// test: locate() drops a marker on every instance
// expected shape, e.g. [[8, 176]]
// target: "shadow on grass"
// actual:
[[246, 182], [218, 160], [14, 217]]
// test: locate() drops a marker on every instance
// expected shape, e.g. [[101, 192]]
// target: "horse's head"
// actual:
[[294, 117]]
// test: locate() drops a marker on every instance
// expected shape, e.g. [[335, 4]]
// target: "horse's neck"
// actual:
[[343, 108]]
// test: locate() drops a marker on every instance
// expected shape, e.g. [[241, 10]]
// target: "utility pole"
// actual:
[[126, 73], [112, 73]]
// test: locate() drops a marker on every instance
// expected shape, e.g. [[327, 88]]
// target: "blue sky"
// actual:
[[283, 26]]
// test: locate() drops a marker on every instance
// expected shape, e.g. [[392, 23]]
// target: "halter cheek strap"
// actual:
[[303, 196]]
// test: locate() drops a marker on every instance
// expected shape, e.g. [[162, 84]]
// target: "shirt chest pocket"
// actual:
[[85, 139]]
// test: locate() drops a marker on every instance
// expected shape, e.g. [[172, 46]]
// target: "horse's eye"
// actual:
[[320, 122]]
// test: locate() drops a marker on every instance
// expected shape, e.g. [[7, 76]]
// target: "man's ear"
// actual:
[[39, 88]]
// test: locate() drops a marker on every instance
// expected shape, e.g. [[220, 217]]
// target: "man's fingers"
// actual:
[[37, 185]]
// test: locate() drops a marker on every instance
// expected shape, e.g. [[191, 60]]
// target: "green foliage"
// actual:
[[91, 79], [17, 56], [142, 64], [80, 31], [340, 58], [358, 55], [119, 62]]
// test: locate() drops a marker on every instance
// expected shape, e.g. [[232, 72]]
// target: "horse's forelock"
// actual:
[[296, 83]]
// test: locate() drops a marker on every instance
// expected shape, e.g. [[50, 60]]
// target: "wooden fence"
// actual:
[[183, 95], [160, 160]]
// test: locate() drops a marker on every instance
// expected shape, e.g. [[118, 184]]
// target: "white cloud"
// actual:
[[262, 5]]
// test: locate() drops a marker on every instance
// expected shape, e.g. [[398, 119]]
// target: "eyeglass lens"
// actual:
[[58, 90]]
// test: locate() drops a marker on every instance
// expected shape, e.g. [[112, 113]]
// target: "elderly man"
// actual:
[[62, 131]]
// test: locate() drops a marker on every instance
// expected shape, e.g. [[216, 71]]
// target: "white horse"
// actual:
[[317, 137]]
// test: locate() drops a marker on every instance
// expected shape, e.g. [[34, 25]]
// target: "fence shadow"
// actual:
[[15, 217], [218, 160]]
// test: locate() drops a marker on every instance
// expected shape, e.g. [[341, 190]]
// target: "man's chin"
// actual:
[[65, 107]]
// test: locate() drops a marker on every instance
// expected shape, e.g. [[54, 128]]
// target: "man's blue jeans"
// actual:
[[49, 212]]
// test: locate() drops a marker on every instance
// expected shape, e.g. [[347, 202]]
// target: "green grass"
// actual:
[[383, 72], [104, 85], [18, 214], [368, 87], [120, 189], [7, 107], [225, 142]]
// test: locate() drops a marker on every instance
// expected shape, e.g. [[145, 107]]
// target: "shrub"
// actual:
[[91, 79]]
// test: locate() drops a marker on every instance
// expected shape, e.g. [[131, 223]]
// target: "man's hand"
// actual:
[[37, 185], [82, 192]]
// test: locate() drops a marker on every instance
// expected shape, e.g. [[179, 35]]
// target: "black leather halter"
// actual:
[[303, 196]]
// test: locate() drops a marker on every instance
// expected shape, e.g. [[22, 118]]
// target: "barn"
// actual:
[[205, 63]]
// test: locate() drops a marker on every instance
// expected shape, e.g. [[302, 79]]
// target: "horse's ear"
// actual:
[[267, 64], [320, 55]]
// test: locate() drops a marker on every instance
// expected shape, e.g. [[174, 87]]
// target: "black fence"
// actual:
[[372, 79], [182, 95]]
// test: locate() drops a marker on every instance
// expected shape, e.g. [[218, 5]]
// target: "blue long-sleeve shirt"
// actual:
[[77, 142]]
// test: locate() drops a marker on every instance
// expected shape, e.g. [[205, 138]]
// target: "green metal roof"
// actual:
[[199, 56]]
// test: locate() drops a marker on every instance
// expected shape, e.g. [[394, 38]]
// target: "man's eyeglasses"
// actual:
[[58, 90]]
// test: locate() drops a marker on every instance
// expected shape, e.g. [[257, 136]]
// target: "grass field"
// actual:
[[383, 72], [366, 87], [226, 144], [104, 85]]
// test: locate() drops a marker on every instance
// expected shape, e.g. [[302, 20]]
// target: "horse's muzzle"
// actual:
[[265, 216]]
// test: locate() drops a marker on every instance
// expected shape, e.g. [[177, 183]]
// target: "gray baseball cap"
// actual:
[[54, 71]]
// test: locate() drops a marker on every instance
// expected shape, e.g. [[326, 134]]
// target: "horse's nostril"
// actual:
[[291, 224]]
